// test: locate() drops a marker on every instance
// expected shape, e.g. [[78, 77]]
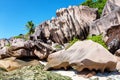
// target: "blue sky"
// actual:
[[14, 14]]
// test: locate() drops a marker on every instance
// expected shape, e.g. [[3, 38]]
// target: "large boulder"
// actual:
[[9, 64], [20, 48], [17, 42], [3, 52], [109, 25], [4, 42], [117, 53], [70, 22], [110, 6], [81, 55], [110, 17], [113, 41], [100, 26], [112, 31]]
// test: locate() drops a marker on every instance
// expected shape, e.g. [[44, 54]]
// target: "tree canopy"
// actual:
[[30, 27], [95, 4]]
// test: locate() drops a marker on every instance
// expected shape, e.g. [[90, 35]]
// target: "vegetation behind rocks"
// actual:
[[72, 42], [98, 39], [95, 4]]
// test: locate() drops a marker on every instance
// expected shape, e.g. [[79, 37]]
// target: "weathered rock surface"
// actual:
[[113, 30], [117, 53], [9, 64], [110, 17], [70, 22], [32, 73], [104, 23], [113, 41], [110, 6], [80, 56], [108, 25], [20, 48], [4, 42], [17, 42], [3, 52]]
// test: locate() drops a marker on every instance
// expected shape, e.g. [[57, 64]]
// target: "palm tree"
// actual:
[[30, 27]]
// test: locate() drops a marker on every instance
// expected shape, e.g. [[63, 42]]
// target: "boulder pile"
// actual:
[[50, 38], [70, 22]]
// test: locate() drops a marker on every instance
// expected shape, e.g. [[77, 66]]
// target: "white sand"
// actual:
[[105, 76], [74, 76]]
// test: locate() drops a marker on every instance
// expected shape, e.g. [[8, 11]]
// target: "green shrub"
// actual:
[[8, 45], [21, 36], [17, 37], [95, 4], [26, 36], [97, 39], [72, 42], [30, 26], [58, 46]]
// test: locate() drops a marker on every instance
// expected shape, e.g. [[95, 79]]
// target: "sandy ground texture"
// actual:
[[81, 76], [99, 76]]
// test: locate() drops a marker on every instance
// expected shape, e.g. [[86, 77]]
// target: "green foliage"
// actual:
[[72, 42], [21, 36], [17, 37], [31, 73], [8, 45], [26, 36], [58, 46], [30, 27], [97, 39], [95, 4]]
